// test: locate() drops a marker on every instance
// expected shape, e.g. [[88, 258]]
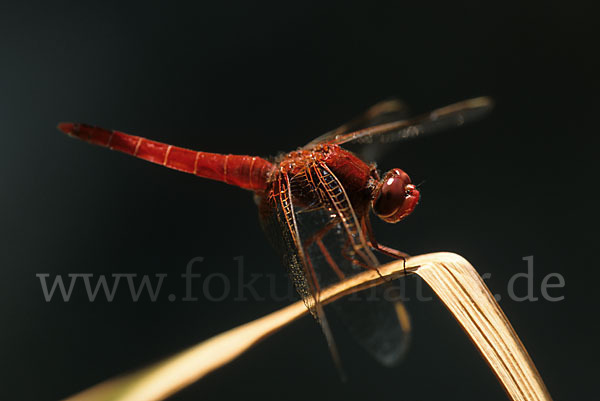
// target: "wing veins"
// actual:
[[340, 202], [455, 114]]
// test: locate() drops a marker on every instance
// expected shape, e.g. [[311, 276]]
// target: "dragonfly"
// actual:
[[314, 204]]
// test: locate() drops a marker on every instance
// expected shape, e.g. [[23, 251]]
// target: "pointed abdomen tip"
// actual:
[[67, 128]]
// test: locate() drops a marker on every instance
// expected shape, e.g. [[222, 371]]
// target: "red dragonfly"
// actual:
[[314, 205]]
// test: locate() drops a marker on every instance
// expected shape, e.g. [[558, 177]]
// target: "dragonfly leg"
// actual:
[[352, 258], [317, 238], [386, 250], [313, 278]]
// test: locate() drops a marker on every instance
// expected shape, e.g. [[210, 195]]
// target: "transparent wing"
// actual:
[[381, 326], [335, 248], [383, 112], [446, 117], [279, 222]]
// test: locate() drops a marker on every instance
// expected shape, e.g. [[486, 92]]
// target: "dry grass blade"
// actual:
[[463, 292], [452, 278]]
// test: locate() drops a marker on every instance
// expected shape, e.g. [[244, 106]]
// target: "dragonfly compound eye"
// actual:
[[396, 197]]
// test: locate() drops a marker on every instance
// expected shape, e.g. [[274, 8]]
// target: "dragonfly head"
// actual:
[[395, 196]]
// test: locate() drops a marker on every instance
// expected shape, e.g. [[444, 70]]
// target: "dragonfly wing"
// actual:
[[279, 223], [453, 115], [377, 322], [380, 113], [336, 248], [381, 326], [278, 218]]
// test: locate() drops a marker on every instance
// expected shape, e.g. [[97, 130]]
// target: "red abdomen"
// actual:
[[248, 172]]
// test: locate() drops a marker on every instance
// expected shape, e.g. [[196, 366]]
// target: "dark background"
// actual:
[[261, 78]]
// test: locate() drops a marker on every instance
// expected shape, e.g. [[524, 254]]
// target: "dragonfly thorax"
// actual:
[[298, 160]]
